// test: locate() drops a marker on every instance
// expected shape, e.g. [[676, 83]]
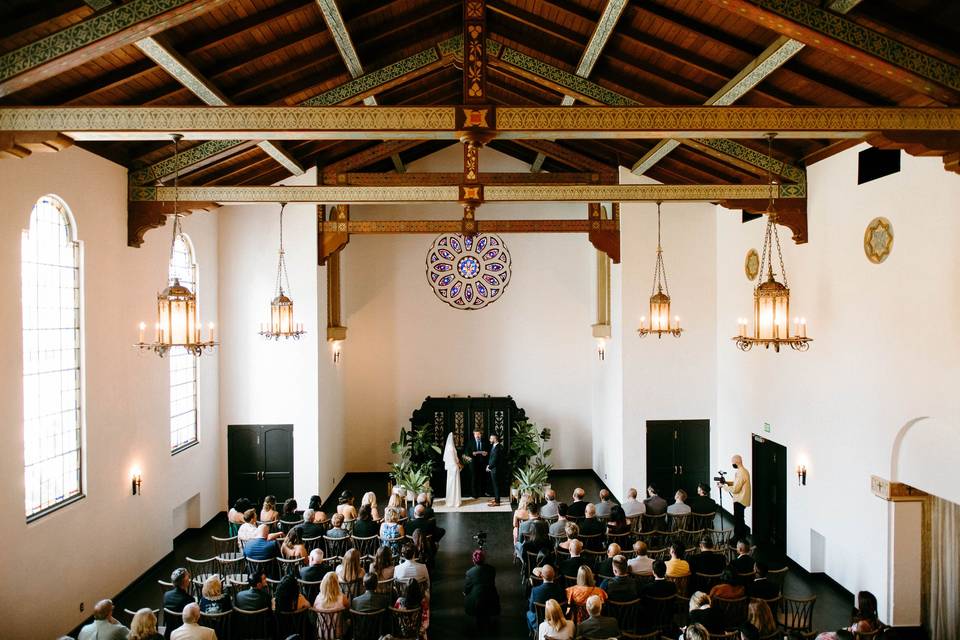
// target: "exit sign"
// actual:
[[766, 427]]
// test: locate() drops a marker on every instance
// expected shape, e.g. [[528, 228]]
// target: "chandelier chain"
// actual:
[[283, 279], [176, 195], [659, 270]]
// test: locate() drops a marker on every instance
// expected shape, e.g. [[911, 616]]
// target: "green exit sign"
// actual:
[[766, 427]]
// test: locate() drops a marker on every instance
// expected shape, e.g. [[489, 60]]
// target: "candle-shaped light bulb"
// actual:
[[143, 326], [156, 331], [803, 327], [677, 319], [210, 333]]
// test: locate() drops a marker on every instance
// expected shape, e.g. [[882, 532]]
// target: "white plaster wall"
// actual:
[[838, 407], [275, 382], [106, 540], [608, 450], [404, 344]]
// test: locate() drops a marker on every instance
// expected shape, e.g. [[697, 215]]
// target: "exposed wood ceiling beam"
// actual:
[[566, 225], [334, 20], [852, 42], [450, 122], [179, 68], [99, 34], [591, 53], [413, 179]]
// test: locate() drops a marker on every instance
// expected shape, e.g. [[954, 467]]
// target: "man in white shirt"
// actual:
[[605, 504], [549, 510], [631, 506], [641, 564], [410, 569], [191, 630], [104, 626]]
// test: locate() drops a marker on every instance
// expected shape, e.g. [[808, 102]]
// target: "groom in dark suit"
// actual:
[[478, 452], [495, 466]]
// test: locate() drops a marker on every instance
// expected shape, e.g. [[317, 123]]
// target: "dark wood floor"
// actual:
[[447, 617]]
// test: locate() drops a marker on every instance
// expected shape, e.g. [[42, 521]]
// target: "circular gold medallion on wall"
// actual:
[[751, 264], [878, 240]]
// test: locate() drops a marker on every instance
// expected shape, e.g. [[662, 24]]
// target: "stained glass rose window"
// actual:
[[468, 272]]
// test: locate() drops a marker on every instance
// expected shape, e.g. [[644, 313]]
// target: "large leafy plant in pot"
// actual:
[[528, 458], [416, 456]]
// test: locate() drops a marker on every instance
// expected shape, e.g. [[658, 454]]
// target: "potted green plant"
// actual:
[[417, 456], [528, 458]]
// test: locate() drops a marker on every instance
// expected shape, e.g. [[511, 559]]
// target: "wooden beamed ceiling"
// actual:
[[656, 52]]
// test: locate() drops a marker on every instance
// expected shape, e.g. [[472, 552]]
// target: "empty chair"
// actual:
[[734, 610], [232, 569], [252, 625], [290, 566], [268, 566], [405, 623], [702, 520], [367, 625], [626, 613], [290, 623], [777, 576], [225, 547], [219, 622], [796, 614], [200, 570], [721, 538], [658, 612]]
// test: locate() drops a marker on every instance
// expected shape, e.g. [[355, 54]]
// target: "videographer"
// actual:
[[739, 490]]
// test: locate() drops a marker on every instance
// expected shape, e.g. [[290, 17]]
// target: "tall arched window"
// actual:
[[183, 366], [52, 390]]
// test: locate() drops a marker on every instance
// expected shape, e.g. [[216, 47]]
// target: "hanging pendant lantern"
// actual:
[[659, 299], [281, 307]]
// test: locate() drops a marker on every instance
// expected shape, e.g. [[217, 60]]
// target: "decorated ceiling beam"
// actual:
[[93, 37], [452, 193], [413, 179], [853, 43], [94, 124], [387, 149], [181, 70], [591, 53], [21, 145], [474, 52], [484, 226]]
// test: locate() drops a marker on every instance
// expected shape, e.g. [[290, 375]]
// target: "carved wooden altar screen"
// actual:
[[462, 415]]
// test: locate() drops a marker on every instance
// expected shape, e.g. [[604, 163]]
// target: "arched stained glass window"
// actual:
[[52, 389], [183, 365]]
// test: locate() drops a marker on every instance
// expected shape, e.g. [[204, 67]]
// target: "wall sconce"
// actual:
[[136, 480], [601, 348], [335, 347], [801, 475]]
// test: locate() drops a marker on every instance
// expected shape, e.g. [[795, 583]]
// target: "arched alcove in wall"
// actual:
[[924, 453]]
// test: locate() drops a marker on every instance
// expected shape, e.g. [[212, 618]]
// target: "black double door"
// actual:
[[678, 455], [769, 499], [259, 462]]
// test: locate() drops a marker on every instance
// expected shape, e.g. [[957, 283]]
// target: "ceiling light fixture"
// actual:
[[659, 299]]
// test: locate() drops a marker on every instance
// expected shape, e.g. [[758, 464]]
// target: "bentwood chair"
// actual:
[[367, 546], [734, 610], [225, 547], [367, 625], [252, 625], [309, 589], [777, 576], [173, 620], [293, 622], [313, 543], [330, 625], [796, 614], [404, 623], [290, 566], [626, 613], [658, 612], [219, 622], [200, 570], [353, 588], [268, 566]]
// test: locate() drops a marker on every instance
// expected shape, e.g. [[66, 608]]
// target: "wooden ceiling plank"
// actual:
[[255, 20], [591, 53], [853, 43], [97, 35]]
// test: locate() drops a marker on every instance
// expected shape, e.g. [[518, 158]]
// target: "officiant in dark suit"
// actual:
[[478, 451], [495, 465]]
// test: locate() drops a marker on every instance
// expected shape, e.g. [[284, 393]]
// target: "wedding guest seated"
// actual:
[[617, 522], [641, 564], [660, 587], [695, 632], [577, 508], [480, 597], [369, 499], [365, 526], [396, 501], [744, 562], [572, 531], [605, 568], [537, 543], [236, 515], [382, 563], [310, 528], [212, 597], [571, 565], [621, 587], [268, 512], [761, 617], [391, 529], [142, 627], [292, 546], [345, 506], [350, 569], [554, 625], [654, 504], [255, 596], [413, 597], [104, 625], [590, 526], [550, 506], [631, 506], [420, 522], [597, 626], [315, 502], [605, 504], [761, 587], [729, 587], [702, 613], [676, 566], [177, 598], [585, 587], [864, 619], [316, 568], [533, 523], [370, 601], [702, 502], [557, 528], [680, 506], [262, 547], [410, 569], [191, 629], [247, 530], [336, 529], [331, 599], [424, 499], [709, 560], [289, 517], [287, 596], [520, 515], [546, 590]]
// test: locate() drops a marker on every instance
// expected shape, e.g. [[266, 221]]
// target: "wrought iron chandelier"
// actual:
[[281, 323], [771, 299], [177, 325], [659, 299]]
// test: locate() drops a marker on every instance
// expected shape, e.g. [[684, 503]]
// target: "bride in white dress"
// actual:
[[451, 462]]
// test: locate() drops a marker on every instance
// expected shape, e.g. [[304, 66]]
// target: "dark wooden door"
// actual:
[[678, 455], [769, 483], [259, 462], [662, 466], [693, 455]]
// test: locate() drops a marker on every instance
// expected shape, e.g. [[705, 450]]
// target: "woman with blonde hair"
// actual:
[[370, 498], [702, 613], [212, 597], [391, 531], [144, 626], [396, 501], [520, 515], [554, 625], [760, 616], [350, 569], [577, 595], [572, 531], [269, 513]]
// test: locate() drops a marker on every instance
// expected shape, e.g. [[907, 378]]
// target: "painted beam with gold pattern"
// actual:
[[392, 179], [453, 226]]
